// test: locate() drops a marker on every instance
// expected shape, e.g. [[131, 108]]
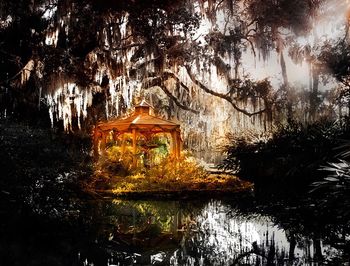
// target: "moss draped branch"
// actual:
[[226, 97], [159, 81]]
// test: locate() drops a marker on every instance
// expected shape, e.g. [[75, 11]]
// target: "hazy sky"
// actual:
[[331, 25]]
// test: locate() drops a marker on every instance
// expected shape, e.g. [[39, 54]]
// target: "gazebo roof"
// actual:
[[141, 119]]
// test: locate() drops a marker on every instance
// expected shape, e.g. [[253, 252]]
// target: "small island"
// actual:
[[141, 156], [182, 178]]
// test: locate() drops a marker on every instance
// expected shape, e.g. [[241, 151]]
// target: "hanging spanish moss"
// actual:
[[197, 62]]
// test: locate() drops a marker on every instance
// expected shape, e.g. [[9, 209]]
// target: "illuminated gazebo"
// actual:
[[140, 125]]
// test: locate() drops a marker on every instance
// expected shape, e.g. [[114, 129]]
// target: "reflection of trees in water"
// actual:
[[206, 233], [219, 237], [314, 234], [136, 216]]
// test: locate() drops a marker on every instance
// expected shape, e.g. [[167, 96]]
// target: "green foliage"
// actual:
[[182, 174], [147, 213], [175, 169], [272, 14], [333, 192], [331, 199], [336, 56], [292, 152], [41, 170]]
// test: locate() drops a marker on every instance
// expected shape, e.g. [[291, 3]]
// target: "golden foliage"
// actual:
[[113, 173]]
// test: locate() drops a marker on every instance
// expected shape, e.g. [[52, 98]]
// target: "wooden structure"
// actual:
[[140, 123]]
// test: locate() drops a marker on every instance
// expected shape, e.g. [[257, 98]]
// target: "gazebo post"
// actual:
[[115, 135], [96, 140], [103, 142], [134, 159], [123, 144], [178, 145], [173, 143]]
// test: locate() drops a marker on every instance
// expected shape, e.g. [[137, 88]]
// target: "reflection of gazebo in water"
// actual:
[[140, 127]]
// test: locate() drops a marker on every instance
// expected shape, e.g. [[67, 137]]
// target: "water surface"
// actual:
[[186, 232], [211, 232]]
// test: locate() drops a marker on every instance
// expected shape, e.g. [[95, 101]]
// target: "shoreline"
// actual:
[[173, 194]]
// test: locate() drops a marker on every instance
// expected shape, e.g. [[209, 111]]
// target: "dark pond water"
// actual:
[[144, 232]]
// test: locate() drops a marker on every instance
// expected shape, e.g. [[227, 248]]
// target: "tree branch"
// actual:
[[124, 47], [159, 81], [251, 23], [176, 101], [172, 75], [47, 7], [15, 76], [217, 6], [249, 32], [220, 95], [251, 45]]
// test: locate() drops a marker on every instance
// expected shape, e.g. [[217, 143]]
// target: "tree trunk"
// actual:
[[314, 93], [286, 85], [284, 69], [318, 250], [292, 245]]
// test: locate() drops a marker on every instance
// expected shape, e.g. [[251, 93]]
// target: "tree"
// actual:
[[73, 54], [336, 56]]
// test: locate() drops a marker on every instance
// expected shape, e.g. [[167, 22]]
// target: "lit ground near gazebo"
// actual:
[[171, 178], [139, 185], [210, 183]]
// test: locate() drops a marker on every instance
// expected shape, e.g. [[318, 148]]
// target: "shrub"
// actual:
[[292, 153]]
